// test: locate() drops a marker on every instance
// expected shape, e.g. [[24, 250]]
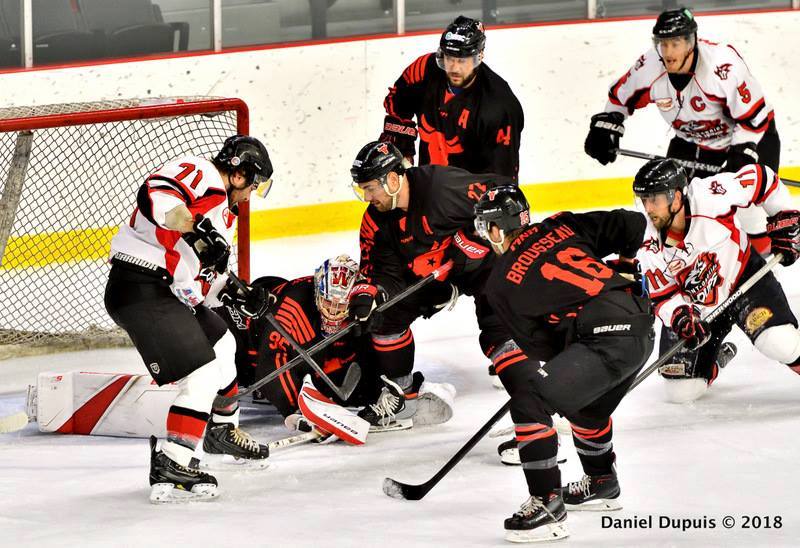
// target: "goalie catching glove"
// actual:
[[605, 130], [783, 230], [208, 244], [688, 325], [252, 302]]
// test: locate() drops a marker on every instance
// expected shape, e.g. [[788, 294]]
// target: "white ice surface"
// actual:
[[734, 452]]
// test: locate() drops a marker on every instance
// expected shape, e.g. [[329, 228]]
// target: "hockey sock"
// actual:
[[538, 450], [394, 353], [185, 428], [594, 448], [229, 413]]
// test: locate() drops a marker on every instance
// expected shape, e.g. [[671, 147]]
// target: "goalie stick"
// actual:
[[741, 290], [691, 164], [223, 401]]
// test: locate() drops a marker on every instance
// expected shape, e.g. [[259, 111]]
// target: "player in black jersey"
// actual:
[[466, 115], [418, 219], [580, 335]]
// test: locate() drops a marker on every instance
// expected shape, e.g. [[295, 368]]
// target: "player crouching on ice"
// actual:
[[694, 256], [310, 309], [167, 262]]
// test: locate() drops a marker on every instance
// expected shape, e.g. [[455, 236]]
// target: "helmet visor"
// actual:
[[686, 41], [482, 228], [262, 185]]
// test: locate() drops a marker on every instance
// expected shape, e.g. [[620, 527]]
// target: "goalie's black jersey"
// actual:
[[398, 246], [554, 267], [478, 129]]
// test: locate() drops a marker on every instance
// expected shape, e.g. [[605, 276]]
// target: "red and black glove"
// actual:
[[467, 252], [688, 325], [208, 244], [401, 133], [783, 230], [364, 299]]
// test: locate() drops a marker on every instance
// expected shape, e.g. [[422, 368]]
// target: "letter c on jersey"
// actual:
[[697, 103]]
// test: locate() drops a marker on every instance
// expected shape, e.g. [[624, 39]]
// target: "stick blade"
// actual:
[[397, 490], [351, 379], [14, 423]]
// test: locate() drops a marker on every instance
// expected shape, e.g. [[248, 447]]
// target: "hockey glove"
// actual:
[[364, 299], [605, 129], [741, 155], [783, 230], [467, 252], [401, 133], [252, 302], [439, 297], [209, 245], [687, 324]]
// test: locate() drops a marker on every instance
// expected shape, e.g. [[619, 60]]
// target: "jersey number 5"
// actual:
[[589, 270]]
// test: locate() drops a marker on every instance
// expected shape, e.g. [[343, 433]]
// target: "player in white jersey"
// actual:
[[167, 261], [694, 256], [708, 96]]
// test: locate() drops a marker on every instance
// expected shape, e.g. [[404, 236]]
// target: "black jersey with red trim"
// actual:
[[554, 267], [398, 246], [477, 129], [261, 349]]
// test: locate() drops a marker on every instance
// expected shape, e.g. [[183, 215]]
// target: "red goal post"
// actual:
[[68, 178]]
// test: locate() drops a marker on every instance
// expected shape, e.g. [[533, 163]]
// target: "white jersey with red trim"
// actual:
[[195, 183], [722, 105], [702, 266]]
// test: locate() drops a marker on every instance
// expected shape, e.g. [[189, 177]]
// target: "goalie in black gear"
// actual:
[[466, 115]]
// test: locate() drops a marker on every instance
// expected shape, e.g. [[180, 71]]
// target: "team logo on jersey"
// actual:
[[702, 280], [701, 129], [664, 104], [722, 71], [651, 245], [717, 188], [697, 103], [756, 319]]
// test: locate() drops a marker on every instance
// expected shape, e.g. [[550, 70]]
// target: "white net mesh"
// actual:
[[61, 203]]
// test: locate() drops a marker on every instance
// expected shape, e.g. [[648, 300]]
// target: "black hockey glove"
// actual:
[[438, 297], [630, 270], [364, 299], [783, 230], [741, 155], [687, 324], [605, 129], [252, 302], [467, 252], [401, 133], [209, 245]]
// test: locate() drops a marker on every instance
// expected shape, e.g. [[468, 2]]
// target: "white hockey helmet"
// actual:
[[333, 281]]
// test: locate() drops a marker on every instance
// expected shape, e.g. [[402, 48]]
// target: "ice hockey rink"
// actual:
[[732, 453]]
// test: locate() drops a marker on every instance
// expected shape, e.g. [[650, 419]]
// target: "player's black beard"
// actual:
[[467, 81]]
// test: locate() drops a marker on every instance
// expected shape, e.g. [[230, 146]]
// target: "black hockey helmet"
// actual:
[[464, 37], [662, 176], [248, 154], [674, 23], [504, 206], [375, 160]]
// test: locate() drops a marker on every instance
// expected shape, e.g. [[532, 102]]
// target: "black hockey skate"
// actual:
[[389, 412], [225, 443], [171, 482], [538, 519], [593, 494]]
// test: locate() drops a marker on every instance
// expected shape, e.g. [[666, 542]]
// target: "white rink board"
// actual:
[[315, 106]]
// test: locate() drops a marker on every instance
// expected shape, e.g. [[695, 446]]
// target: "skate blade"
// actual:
[[545, 533], [599, 505], [229, 463], [394, 426], [167, 493]]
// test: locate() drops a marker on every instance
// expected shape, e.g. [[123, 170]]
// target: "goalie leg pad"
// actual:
[[330, 417]]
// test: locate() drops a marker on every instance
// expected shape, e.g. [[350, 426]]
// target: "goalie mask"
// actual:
[[333, 281]]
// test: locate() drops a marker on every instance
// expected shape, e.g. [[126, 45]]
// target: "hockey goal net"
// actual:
[[68, 178]]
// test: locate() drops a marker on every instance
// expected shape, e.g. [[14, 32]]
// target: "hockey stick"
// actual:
[[351, 378], [296, 439], [399, 490], [14, 423], [691, 164], [741, 290], [223, 401]]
